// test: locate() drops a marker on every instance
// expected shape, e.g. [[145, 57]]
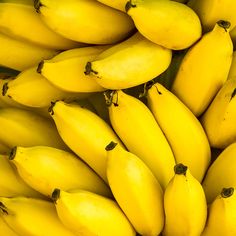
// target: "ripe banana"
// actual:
[[19, 55], [167, 23], [233, 35], [130, 63], [5, 229], [232, 71], [26, 25], [137, 128], [117, 4], [136, 190], [46, 168], [87, 213], [31, 89], [185, 205], [85, 133], [66, 70], [221, 173], [204, 69], [4, 149], [182, 129], [29, 216], [26, 2], [26, 128], [220, 117], [211, 11], [222, 215], [106, 25], [11, 185]]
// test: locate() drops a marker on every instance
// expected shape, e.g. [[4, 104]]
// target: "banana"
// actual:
[[88, 214], [11, 185], [182, 129], [233, 35], [220, 117], [25, 2], [3, 148], [31, 89], [222, 214], [5, 229], [211, 11], [26, 128], [85, 133], [27, 26], [66, 71], [58, 15], [130, 63], [232, 71], [46, 168], [167, 23], [221, 173], [29, 216], [136, 190], [137, 128], [204, 69], [117, 4], [184, 204]]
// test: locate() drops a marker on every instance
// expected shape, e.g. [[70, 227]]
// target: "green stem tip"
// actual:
[[180, 169], [56, 194], [227, 192], [110, 146], [5, 88], [224, 24], [12, 153]]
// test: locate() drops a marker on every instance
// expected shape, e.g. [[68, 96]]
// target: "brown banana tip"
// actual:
[[233, 94], [180, 169], [50, 109], [227, 192], [146, 87], [3, 208], [224, 24], [37, 5], [129, 5], [89, 70], [56, 194], [40, 67], [4, 89], [12, 153], [110, 146]]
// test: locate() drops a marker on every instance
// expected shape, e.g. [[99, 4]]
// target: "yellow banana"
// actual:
[[46, 168], [29, 216], [106, 25], [211, 11], [31, 89], [66, 71], [19, 55], [11, 185], [5, 229], [221, 173], [232, 71], [137, 128], [220, 117], [204, 69], [4, 149], [20, 127], [167, 23], [130, 63], [85, 133], [182, 129], [90, 214], [136, 190], [233, 35], [222, 214], [26, 2], [185, 205], [26, 25], [117, 4]]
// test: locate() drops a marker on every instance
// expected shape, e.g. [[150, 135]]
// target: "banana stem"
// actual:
[[12, 153], [109, 97], [110, 146], [180, 169], [4, 88], [227, 192]]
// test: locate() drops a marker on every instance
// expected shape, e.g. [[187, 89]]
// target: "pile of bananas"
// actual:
[[117, 118]]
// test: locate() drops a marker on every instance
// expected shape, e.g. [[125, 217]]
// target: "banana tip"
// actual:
[[50, 109], [37, 5], [224, 24], [89, 70], [129, 5], [4, 89], [110, 146], [227, 192], [180, 169], [40, 67], [56, 194], [12, 153]]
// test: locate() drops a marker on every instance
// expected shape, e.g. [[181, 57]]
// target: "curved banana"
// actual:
[[26, 25], [204, 69], [117, 4], [77, 14], [19, 55], [221, 173], [211, 11], [136, 190], [66, 70], [46, 168], [11, 185], [182, 129], [232, 71], [21, 127], [31, 89], [88, 214], [222, 214], [220, 117], [137, 128], [85, 133], [184, 204], [164, 22], [130, 63], [5, 229], [29, 216]]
